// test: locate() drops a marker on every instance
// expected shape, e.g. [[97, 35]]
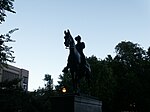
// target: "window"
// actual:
[[25, 80], [9, 75]]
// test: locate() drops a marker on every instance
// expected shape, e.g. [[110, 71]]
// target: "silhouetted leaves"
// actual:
[[5, 5], [6, 51], [122, 82]]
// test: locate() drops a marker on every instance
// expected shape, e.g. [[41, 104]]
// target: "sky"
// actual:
[[102, 24]]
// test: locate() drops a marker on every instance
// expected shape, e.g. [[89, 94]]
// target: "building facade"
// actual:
[[11, 72]]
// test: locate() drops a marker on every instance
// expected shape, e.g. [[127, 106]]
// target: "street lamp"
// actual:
[[64, 90]]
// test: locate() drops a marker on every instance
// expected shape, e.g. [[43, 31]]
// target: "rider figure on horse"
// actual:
[[79, 46], [77, 64]]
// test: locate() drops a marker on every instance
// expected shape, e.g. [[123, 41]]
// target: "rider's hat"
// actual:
[[78, 38]]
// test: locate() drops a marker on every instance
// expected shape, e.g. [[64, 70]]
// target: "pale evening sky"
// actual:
[[102, 24]]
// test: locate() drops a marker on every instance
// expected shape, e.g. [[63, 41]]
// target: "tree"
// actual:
[[6, 51], [130, 68], [129, 53], [49, 82], [65, 82], [5, 5], [13, 98], [48, 89], [122, 82], [42, 96], [103, 81]]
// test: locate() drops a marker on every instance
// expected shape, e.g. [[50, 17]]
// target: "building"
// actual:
[[12, 72]]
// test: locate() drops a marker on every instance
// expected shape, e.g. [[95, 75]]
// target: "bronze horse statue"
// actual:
[[77, 69]]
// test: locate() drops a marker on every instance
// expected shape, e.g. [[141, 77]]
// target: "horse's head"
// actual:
[[67, 38]]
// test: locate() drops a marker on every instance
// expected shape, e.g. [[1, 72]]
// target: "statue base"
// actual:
[[73, 103]]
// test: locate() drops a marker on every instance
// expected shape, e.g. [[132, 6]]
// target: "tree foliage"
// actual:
[[14, 99], [6, 52], [42, 96], [65, 81], [5, 5], [122, 82]]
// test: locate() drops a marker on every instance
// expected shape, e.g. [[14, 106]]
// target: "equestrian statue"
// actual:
[[77, 64]]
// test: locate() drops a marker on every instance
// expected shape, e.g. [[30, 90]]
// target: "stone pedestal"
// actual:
[[73, 103]]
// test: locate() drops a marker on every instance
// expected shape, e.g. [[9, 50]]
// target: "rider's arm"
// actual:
[[83, 45]]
